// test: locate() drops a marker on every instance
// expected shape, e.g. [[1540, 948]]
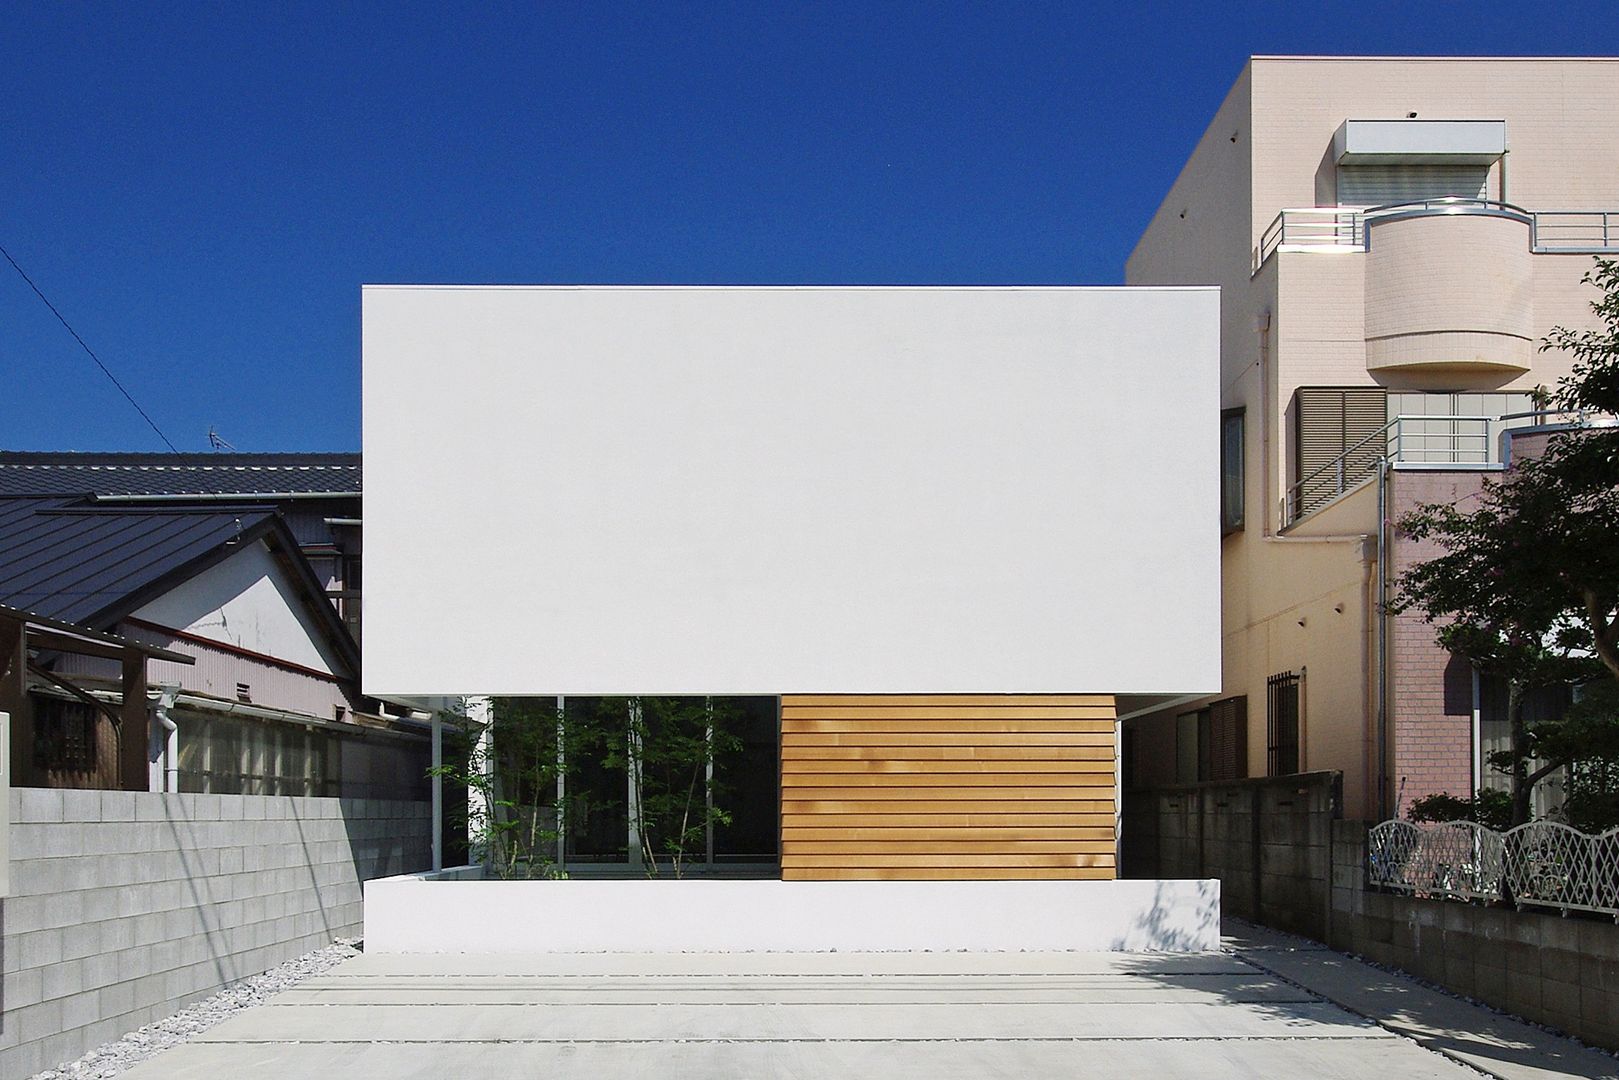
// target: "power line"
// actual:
[[92, 353]]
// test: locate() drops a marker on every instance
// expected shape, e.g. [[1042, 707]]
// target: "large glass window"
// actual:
[[666, 785]]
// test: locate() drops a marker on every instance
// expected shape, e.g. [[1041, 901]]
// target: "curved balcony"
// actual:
[[1449, 287], [1448, 281]]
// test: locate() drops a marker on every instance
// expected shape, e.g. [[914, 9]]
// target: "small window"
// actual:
[[64, 735], [1232, 425], [1211, 744], [1282, 723], [1191, 747]]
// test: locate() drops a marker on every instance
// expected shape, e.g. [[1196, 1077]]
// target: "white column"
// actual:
[[480, 800], [438, 791], [632, 801]]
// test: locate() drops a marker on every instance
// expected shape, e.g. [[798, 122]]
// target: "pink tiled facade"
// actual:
[[1432, 738], [1438, 302]]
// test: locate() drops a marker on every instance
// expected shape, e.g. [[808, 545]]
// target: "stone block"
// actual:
[[64, 979], [81, 1010], [36, 805], [1490, 984], [1522, 960], [39, 949], [19, 988], [100, 969], [37, 1022], [24, 1060], [65, 1046], [117, 806], [1598, 937], [79, 805], [1523, 994], [1560, 1003], [1458, 968], [1560, 964], [1599, 973]]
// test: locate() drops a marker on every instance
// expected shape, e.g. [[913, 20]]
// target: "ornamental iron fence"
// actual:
[[1540, 864]]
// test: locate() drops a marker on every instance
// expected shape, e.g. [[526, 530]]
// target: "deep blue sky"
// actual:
[[202, 189]]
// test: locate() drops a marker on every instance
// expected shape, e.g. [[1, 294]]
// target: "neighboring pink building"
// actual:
[[1393, 239]]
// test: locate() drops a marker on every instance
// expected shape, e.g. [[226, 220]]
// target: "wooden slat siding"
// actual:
[[937, 787]]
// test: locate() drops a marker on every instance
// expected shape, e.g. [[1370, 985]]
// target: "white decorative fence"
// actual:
[[1541, 864]]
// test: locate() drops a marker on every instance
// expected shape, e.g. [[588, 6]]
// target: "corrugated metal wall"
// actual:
[[947, 786]]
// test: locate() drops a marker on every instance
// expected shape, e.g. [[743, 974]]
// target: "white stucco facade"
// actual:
[[780, 490], [415, 913]]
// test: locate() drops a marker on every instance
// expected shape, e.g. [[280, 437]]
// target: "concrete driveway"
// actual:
[[933, 1015]]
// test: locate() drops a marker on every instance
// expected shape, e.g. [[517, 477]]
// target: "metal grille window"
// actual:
[[1231, 470], [1282, 723], [64, 735]]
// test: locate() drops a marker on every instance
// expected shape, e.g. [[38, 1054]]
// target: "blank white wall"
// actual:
[[780, 490], [414, 914]]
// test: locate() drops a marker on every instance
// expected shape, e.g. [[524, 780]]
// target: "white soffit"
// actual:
[[1419, 142], [791, 490]]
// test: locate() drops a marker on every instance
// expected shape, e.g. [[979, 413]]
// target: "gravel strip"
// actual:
[[114, 1057]]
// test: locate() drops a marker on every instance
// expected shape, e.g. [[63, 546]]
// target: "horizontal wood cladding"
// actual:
[[931, 787]]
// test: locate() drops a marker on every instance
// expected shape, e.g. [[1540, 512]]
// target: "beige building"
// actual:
[[1393, 238]]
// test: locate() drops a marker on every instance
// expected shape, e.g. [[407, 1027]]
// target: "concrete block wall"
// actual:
[[1267, 840], [1552, 970], [125, 906]]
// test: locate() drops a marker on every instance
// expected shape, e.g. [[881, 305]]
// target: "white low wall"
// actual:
[[420, 914]]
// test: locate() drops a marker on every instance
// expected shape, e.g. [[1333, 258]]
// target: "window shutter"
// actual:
[[1379, 185], [1228, 739], [1327, 423]]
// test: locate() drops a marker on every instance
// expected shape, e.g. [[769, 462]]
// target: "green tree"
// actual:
[[509, 766], [671, 747], [668, 746], [1527, 581]]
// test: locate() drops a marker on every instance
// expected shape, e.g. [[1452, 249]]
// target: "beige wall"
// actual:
[[1562, 128], [1302, 318]]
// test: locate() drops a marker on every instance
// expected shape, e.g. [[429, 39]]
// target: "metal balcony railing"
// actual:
[[1433, 442], [1337, 228], [1421, 442]]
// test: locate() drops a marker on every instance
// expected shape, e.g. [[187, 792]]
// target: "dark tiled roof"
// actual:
[[24, 473], [77, 564]]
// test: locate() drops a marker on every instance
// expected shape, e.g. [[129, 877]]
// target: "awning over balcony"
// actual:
[[1419, 142]]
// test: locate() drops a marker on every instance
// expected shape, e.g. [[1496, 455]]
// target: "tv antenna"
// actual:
[[217, 441]]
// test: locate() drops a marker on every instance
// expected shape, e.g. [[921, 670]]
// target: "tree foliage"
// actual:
[[667, 747], [1526, 584]]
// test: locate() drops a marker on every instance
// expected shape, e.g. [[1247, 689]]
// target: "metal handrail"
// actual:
[[1394, 439], [1341, 228]]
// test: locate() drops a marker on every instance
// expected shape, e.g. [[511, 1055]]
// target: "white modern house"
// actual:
[[923, 533]]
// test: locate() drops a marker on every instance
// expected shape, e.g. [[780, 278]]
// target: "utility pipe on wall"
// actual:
[[165, 748]]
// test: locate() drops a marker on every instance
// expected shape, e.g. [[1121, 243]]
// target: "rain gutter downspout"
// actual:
[[165, 756], [1380, 611]]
